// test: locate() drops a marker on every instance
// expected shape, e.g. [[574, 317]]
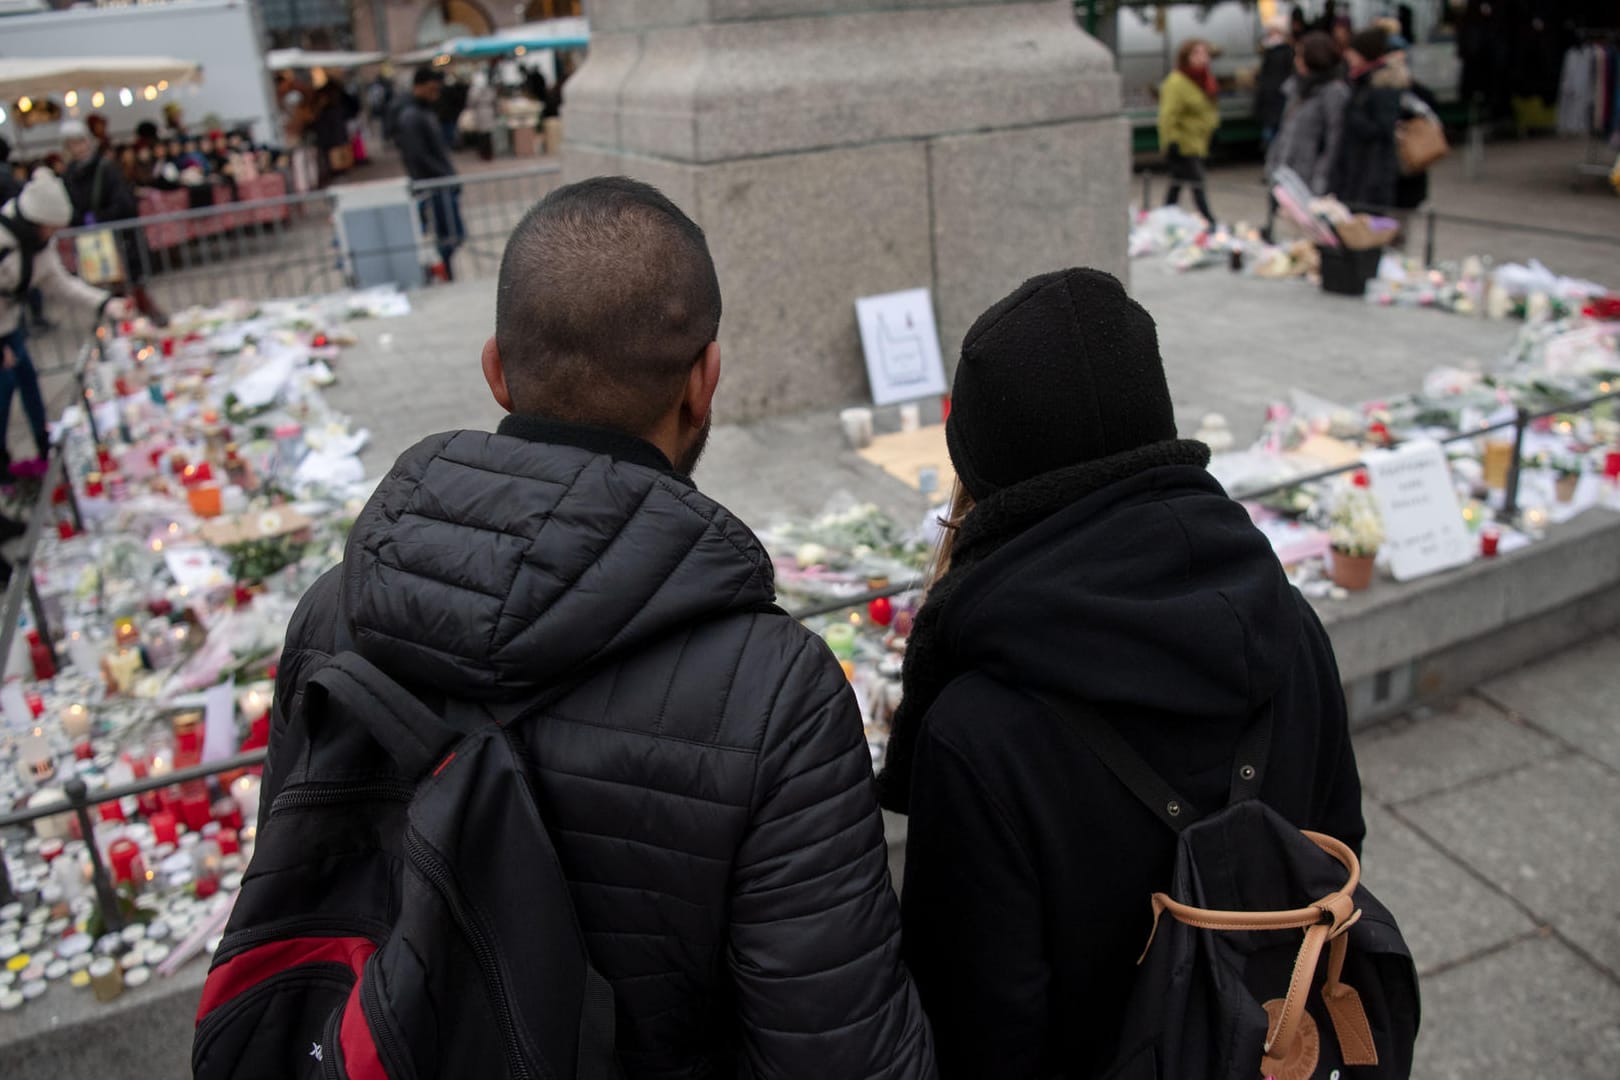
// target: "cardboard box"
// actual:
[[1363, 233]]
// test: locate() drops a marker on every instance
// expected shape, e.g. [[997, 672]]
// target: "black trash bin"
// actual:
[[1346, 271]]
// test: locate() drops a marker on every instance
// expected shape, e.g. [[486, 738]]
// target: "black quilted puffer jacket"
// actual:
[[706, 781]]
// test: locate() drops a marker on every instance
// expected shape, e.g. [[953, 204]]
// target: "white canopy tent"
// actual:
[[42, 76], [305, 59]]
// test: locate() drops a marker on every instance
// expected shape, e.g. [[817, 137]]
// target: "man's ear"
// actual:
[[495, 375], [701, 385]]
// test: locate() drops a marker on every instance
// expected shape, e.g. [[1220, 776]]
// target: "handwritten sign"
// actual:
[[901, 343], [1424, 531]]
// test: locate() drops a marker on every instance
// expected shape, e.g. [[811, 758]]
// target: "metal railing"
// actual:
[[291, 245]]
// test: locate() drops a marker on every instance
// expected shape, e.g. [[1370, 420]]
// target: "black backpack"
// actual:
[[1226, 988], [404, 915]]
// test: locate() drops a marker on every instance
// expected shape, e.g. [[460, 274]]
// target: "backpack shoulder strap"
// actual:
[[25, 259], [1140, 778], [412, 734]]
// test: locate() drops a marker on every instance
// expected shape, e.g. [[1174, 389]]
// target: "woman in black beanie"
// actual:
[[1090, 559]]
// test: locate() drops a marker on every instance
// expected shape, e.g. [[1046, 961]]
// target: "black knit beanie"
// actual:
[[1064, 371]]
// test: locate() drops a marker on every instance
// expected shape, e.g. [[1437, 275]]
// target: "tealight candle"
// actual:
[[76, 721], [245, 790], [164, 827]]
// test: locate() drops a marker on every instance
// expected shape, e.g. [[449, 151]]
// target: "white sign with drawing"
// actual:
[[1424, 531], [902, 346]]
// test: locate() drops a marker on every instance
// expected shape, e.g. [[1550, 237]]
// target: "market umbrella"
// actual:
[[39, 76], [569, 33], [296, 59]]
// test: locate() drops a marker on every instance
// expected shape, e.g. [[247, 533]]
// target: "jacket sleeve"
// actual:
[[1338, 779], [1327, 157], [1169, 115], [307, 647], [52, 279], [815, 925], [973, 925]]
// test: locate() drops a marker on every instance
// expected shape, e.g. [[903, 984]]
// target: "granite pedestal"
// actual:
[[834, 149]]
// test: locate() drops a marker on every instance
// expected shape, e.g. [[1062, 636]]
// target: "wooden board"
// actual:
[[904, 453]]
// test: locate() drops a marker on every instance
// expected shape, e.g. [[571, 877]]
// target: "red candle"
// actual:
[[168, 348], [84, 751], [1489, 538], [196, 811], [207, 885], [150, 803], [227, 813], [127, 867], [35, 701], [163, 827], [1611, 465], [112, 810], [49, 850], [230, 843], [64, 530]]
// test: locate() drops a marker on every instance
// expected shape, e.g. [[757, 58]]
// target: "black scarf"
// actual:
[[1001, 517]]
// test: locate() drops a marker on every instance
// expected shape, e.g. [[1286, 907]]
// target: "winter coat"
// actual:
[[100, 191], [1312, 128], [1155, 601], [1270, 99], [49, 276], [1368, 163], [415, 130], [1187, 116], [704, 773]]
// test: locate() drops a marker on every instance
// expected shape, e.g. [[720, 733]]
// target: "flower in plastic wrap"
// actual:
[[1354, 525]]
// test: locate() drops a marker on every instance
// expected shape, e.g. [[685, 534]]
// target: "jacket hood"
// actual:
[[1156, 593], [490, 565]]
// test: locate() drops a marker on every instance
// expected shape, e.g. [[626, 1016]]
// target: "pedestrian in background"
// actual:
[[1094, 563], [1188, 117], [1313, 123], [28, 260], [426, 156], [102, 196], [1368, 162], [1276, 68], [1417, 102]]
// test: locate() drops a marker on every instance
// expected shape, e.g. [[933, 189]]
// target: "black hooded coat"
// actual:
[[1139, 588], [705, 776]]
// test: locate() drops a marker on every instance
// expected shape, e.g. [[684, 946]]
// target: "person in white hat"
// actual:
[[28, 260]]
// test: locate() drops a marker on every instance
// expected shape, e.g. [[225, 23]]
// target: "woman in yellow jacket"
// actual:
[[1188, 116]]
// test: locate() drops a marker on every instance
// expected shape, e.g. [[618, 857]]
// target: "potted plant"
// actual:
[[1569, 477], [1356, 533]]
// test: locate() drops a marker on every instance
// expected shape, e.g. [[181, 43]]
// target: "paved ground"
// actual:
[[1491, 835]]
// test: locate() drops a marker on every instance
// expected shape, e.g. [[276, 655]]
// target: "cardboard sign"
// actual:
[[244, 528], [1424, 531], [901, 344]]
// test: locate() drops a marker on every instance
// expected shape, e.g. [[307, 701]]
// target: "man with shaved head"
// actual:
[[697, 755]]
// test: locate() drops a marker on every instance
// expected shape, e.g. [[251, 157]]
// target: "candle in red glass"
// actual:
[[196, 811], [1489, 538], [1611, 465], [163, 827], [83, 752], [112, 810], [64, 530], [227, 813], [168, 348], [230, 842], [127, 867], [49, 850], [207, 885], [35, 700]]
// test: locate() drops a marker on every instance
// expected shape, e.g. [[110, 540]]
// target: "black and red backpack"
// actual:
[[404, 915]]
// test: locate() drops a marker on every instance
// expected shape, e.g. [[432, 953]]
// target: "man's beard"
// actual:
[[688, 461]]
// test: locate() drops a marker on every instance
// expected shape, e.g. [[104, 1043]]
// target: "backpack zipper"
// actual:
[[433, 867], [381, 1029], [329, 794], [241, 941]]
